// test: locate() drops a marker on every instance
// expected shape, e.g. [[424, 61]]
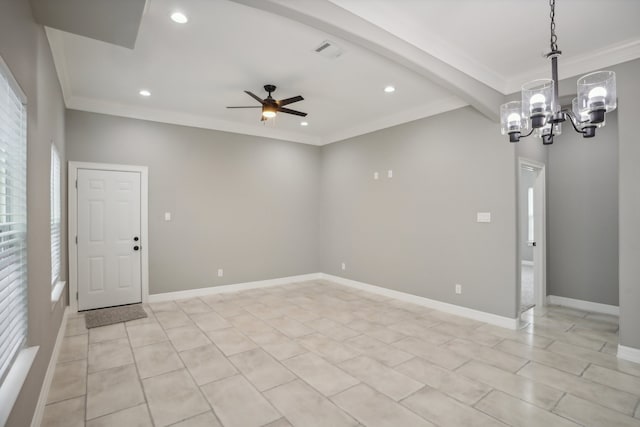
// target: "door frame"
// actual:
[[540, 233], [73, 224]]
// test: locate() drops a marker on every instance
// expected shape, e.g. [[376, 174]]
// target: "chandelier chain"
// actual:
[[552, 15]]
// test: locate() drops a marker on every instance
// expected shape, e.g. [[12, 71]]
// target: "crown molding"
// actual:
[[571, 66], [186, 119], [432, 109]]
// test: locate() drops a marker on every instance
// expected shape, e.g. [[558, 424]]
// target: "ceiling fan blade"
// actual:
[[253, 106], [287, 101], [254, 96], [289, 111]]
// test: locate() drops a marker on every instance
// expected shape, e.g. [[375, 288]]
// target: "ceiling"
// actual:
[[436, 63]]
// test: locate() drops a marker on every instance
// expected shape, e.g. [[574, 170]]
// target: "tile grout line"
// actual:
[[199, 387], [135, 364]]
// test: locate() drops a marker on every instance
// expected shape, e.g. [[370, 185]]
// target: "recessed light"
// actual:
[[145, 92], [389, 89], [304, 124], [179, 17]]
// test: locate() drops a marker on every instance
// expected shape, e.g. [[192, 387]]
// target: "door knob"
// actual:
[[135, 239], [136, 248]]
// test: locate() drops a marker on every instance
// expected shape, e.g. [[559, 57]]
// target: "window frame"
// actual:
[[19, 358]]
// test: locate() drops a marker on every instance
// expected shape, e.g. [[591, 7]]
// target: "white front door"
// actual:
[[109, 246]]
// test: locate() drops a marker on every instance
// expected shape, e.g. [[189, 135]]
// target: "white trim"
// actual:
[[12, 384], [428, 110], [192, 293], [482, 316], [629, 353], [48, 377], [578, 304], [525, 262], [72, 213], [457, 310], [574, 66], [187, 119], [56, 293], [493, 319], [540, 232]]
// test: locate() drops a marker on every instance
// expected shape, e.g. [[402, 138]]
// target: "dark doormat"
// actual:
[[111, 315]]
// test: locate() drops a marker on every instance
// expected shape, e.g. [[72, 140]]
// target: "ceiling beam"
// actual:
[[112, 21], [332, 19]]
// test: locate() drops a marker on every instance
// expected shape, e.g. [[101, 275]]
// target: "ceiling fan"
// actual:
[[271, 106]]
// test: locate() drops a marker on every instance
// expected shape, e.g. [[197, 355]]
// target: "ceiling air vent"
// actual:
[[329, 49]]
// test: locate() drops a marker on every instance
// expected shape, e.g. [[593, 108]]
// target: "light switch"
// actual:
[[389, 173], [484, 217], [376, 175], [167, 216]]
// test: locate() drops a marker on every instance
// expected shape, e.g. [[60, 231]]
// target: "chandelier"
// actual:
[[540, 113]]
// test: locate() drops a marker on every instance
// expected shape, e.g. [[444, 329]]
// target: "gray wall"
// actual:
[[25, 49], [628, 112], [245, 204], [629, 202], [582, 215], [526, 181], [417, 232]]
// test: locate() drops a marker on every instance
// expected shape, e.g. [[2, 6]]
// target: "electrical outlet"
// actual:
[[376, 175], [167, 216], [220, 272], [458, 289], [344, 266], [389, 173]]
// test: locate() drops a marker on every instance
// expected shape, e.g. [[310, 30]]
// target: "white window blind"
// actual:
[[13, 221], [55, 215]]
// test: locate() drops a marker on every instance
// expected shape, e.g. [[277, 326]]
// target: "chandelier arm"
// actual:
[[529, 134], [573, 119]]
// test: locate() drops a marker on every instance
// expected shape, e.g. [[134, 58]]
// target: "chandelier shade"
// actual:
[[597, 95], [511, 117], [537, 102]]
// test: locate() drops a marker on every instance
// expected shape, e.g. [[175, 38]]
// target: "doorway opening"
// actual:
[[531, 235]]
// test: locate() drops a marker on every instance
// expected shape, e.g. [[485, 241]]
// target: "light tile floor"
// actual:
[[319, 354]]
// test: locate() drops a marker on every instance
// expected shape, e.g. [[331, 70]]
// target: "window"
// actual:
[[56, 214], [530, 214], [13, 221]]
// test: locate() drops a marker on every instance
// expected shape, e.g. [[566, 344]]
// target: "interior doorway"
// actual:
[[531, 235]]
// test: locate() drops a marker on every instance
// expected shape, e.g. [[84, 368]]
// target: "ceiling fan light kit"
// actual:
[[270, 106], [539, 112]]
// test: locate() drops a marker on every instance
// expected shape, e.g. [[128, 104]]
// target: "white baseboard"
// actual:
[[595, 307], [48, 377], [193, 293], [482, 316], [629, 353], [494, 319]]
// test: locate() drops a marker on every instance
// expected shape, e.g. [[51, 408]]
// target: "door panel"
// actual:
[[109, 269]]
